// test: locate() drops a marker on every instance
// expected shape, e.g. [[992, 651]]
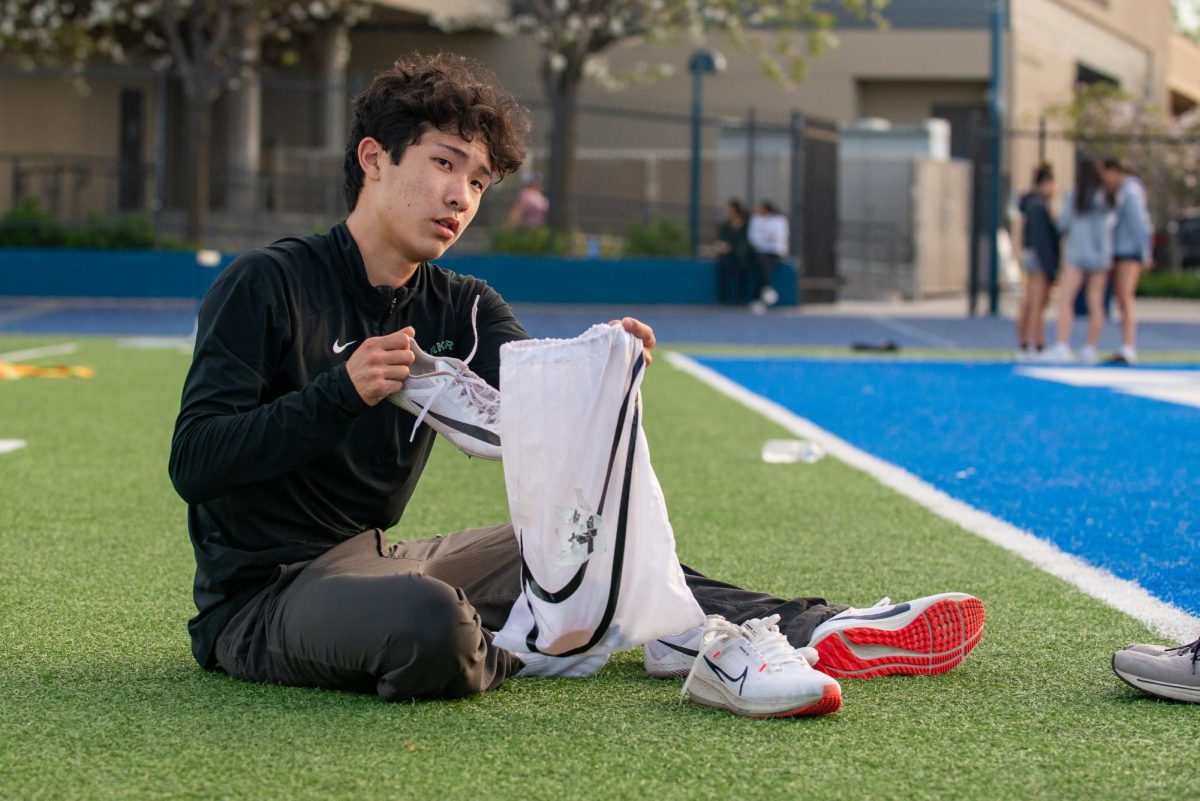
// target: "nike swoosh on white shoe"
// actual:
[[479, 433], [338, 348], [679, 648]]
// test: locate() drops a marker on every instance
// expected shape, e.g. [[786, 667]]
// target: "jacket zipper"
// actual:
[[387, 315]]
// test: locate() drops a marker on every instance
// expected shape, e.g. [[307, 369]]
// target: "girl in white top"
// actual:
[[768, 234]]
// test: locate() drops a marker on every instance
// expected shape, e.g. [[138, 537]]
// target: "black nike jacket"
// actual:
[[277, 455]]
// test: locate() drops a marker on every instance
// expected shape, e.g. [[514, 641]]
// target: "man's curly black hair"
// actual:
[[445, 92]]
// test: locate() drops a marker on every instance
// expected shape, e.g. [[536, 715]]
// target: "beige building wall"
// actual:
[[909, 102], [56, 116], [1183, 73]]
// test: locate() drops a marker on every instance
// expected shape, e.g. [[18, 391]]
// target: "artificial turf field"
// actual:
[[100, 698]]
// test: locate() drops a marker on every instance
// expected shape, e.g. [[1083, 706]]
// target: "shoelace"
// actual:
[[1182, 650], [769, 643], [884, 601], [762, 636], [479, 393]]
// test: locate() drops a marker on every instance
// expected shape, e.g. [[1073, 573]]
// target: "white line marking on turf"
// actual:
[[1126, 596], [1172, 386], [181, 344], [39, 353], [10, 445], [927, 338]]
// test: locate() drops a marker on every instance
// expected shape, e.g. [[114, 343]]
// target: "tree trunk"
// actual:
[[244, 126], [199, 149], [562, 94], [334, 44]]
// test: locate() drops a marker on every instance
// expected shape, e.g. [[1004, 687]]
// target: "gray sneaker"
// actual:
[[1174, 673]]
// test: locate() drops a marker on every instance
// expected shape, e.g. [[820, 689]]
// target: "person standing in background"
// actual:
[[1086, 221], [768, 234], [1132, 238], [733, 255], [531, 207], [1039, 262]]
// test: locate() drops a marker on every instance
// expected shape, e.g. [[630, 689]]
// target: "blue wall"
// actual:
[[104, 273], [520, 279]]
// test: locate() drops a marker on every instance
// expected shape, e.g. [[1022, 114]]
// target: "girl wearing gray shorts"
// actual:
[[1086, 224]]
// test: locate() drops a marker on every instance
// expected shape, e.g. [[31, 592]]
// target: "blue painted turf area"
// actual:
[[1109, 477]]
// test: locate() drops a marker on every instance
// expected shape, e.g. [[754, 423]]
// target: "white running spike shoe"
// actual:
[[927, 636], [454, 401], [752, 670]]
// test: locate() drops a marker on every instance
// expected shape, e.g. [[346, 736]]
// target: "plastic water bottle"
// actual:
[[790, 451]]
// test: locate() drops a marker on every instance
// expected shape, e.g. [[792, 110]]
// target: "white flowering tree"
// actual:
[[575, 36], [1187, 17], [210, 44]]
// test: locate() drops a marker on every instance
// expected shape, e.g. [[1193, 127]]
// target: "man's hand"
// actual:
[[641, 331], [380, 365]]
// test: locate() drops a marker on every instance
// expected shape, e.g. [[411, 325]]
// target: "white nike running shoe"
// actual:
[[454, 401], [927, 636], [752, 670], [672, 657]]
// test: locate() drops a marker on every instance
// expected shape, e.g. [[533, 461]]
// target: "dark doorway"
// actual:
[[814, 204], [130, 170]]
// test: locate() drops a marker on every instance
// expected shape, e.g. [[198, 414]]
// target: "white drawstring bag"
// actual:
[[599, 571]]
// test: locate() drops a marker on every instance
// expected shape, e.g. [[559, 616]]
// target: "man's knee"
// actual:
[[437, 652], [360, 629]]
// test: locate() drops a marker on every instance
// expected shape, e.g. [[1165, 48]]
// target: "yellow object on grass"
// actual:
[[13, 371]]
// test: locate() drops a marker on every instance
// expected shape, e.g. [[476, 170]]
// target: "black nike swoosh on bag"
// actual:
[[680, 648], [479, 433], [725, 677], [630, 401]]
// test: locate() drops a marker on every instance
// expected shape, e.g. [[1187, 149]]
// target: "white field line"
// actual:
[[39, 353], [1126, 596], [10, 445], [181, 344], [927, 338]]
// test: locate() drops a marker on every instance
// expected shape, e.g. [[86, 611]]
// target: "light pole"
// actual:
[[702, 61], [996, 119]]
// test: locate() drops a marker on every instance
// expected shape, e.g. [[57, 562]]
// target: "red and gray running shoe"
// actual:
[[923, 637]]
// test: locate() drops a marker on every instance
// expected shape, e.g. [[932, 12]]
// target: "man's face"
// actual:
[[424, 203]]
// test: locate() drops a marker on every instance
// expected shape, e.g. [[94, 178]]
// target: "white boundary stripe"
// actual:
[[10, 445], [1126, 596], [38, 353], [182, 344], [928, 339]]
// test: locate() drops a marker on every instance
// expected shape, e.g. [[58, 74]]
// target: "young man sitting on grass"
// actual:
[[292, 465]]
